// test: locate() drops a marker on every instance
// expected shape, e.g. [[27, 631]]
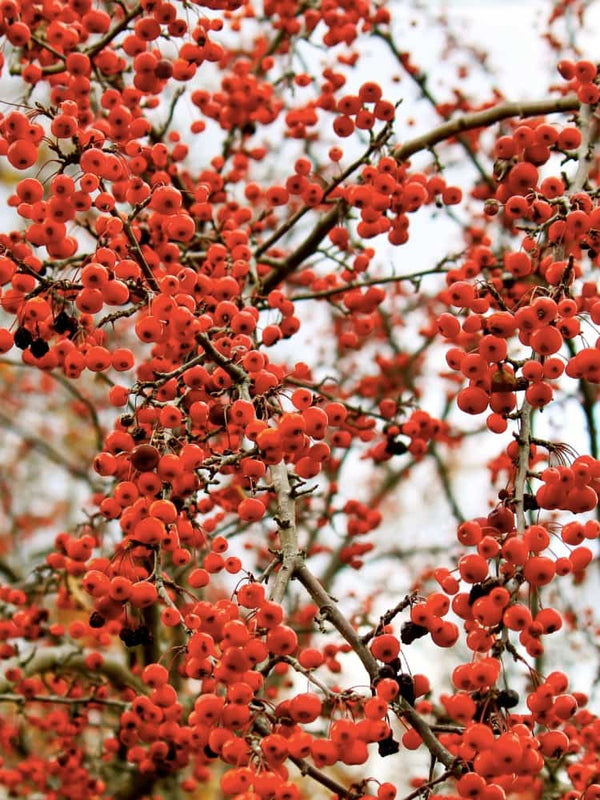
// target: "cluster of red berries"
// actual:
[[20, 140], [422, 428], [360, 520], [243, 101], [388, 192], [582, 76], [574, 488], [353, 113], [483, 357]]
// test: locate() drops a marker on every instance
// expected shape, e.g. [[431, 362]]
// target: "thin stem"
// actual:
[[588, 404], [158, 135], [64, 381], [164, 594], [425, 787], [141, 258], [420, 79], [388, 617], [444, 476], [375, 145], [164, 377], [366, 283], [297, 667]]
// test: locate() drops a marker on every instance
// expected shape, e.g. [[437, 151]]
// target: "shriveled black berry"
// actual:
[[411, 631], [39, 348], [386, 671], [530, 502], [63, 322], [482, 589], [507, 698], [97, 620], [128, 637], [387, 747], [144, 635], [23, 338], [395, 447]]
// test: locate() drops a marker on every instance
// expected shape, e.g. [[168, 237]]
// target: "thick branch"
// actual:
[[329, 609], [235, 371], [113, 32], [9, 571], [585, 155], [288, 535], [286, 505], [307, 247], [585, 160], [307, 769], [524, 440], [485, 118], [20, 699]]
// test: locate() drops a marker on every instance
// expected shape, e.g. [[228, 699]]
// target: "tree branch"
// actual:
[[420, 79], [66, 658], [478, 119], [47, 450], [329, 609], [288, 535]]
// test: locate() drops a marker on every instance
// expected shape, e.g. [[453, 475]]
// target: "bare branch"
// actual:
[[65, 659], [46, 450], [288, 535]]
